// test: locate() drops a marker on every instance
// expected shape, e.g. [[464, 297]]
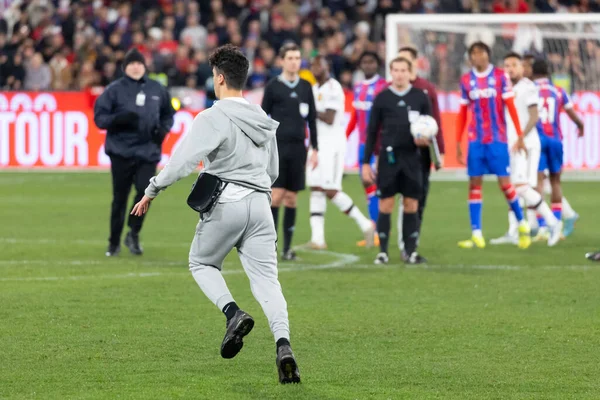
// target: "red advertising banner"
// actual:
[[57, 130]]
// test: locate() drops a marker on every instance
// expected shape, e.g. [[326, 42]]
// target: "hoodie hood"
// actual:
[[251, 119]]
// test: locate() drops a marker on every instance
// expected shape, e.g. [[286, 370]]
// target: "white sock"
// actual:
[[212, 284], [318, 205], [399, 224], [532, 219], [567, 210], [513, 224], [260, 264], [345, 204], [544, 210], [533, 198]]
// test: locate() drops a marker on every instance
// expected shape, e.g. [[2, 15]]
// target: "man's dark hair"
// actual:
[[288, 47], [540, 68], [370, 54], [513, 54], [411, 50], [321, 58], [404, 60], [229, 61], [529, 56], [480, 45]]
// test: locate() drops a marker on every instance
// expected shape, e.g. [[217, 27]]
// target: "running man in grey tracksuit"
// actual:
[[236, 141]]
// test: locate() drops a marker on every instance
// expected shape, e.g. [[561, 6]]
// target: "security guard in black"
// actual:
[[137, 114]]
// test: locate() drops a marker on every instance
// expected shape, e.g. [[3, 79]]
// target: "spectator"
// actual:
[[37, 74], [62, 73], [109, 73], [15, 75], [510, 7], [170, 34], [194, 34], [88, 76], [259, 76]]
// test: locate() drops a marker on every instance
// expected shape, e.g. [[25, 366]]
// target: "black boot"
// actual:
[[132, 242]]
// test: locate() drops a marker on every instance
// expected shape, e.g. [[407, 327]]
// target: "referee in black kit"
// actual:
[[137, 114], [290, 101], [399, 164]]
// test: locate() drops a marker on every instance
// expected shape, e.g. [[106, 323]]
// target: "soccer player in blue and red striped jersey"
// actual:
[[487, 91], [364, 94], [553, 100]]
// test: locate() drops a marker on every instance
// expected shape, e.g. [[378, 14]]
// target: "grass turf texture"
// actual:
[[497, 323]]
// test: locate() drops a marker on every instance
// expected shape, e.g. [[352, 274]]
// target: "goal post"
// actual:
[[569, 42]]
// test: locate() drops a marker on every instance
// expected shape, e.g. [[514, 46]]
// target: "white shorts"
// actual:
[[524, 168], [330, 170]]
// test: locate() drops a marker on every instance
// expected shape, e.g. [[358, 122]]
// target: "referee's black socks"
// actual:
[[289, 223], [383, 230], [410, 232]]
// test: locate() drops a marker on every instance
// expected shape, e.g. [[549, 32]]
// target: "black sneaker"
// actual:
[[286, 365], [237, 327], [133, 244], [415, 258], [113, 250], [289, 255]]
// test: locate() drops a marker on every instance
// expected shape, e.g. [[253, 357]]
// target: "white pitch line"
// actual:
[[10, 240], [342, 260], [87, 262], [307, 267]]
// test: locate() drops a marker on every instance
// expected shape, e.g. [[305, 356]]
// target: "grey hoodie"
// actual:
[[236, 141]]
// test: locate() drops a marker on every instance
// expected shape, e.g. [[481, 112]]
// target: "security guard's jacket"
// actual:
[[137, 115]]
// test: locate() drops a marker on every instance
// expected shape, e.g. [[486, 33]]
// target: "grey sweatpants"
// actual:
[[246, 225]]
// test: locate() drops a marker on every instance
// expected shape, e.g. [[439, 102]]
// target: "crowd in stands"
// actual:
[[73, 45]]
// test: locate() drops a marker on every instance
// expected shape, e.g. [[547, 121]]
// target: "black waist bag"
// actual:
[[205, 193]]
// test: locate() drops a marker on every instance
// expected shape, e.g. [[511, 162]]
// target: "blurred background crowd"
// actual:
[[74, 45]]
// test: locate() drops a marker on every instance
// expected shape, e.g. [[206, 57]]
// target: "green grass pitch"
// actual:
[[498, 323]]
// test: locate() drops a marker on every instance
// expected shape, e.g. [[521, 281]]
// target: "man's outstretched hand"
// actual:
[[142, 206]]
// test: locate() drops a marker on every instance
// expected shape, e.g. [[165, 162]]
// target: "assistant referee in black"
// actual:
[[137, 114], [399, 163], [290, 101]]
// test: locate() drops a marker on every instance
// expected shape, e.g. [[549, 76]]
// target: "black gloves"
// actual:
[[126, 120]]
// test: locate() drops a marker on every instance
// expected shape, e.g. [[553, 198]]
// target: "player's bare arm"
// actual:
[[461, 122], [367, 173], [576, 120], [531, 123], [328, 116]]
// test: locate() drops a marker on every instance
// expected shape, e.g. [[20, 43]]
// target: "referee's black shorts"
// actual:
[[403, 177], [292, 166]]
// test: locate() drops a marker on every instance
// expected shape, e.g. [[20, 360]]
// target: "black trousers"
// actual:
[[125, 173], [425, 172]]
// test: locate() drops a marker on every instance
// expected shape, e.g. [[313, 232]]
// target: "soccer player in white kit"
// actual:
[[524, 166], [325, 181]]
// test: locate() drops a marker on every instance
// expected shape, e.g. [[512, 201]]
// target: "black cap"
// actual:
[[133, 55]]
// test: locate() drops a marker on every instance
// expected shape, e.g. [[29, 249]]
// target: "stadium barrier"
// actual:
[[57, 130]]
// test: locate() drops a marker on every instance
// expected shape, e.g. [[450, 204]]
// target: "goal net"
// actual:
[[569, 42]]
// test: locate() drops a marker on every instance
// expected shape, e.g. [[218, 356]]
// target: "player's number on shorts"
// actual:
[[547, 108]]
